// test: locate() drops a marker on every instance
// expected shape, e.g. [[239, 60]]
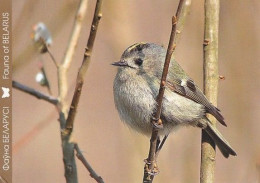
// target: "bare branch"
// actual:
[[93, 174], [73, 41], [75, 34], [182, 19], [84, 67], [211, 78], [67, 145], [34, 93], [150, 170], [52, 57], [47, 83]]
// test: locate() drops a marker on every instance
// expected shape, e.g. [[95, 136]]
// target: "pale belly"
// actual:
[[136, 104]]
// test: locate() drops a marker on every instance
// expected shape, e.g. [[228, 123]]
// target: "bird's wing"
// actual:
[[188, 89]]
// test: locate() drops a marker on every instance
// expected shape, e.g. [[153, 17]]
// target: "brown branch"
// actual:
[[52, 57], [208, 153], [34, 93], [84, 66], [75, 34], [73, 41], [68, 146], [92, 173], [150, 169]]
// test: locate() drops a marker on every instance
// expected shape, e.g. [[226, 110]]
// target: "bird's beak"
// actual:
[[120, 63]]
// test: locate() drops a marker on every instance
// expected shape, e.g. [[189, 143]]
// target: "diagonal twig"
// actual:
[[150, 169], [46, 80], [70, 50], [92, 173], [52, 57], [34, 93], [84, 67], [68, 146]]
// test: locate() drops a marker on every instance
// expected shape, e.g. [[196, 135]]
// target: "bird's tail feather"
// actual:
[[220, 141]]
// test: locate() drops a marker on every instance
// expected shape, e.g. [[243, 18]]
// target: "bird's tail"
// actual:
[[220, 141]]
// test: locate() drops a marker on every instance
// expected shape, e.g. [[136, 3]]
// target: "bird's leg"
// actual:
[[158, 142], [157, 122], [160, 145]]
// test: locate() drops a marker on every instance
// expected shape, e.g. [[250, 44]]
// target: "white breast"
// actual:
[[134, 102]]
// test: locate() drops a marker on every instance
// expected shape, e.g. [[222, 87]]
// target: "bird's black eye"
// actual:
[[139, 62]]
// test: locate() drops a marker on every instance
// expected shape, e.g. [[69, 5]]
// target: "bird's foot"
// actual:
[[157, 123], [151, 168]]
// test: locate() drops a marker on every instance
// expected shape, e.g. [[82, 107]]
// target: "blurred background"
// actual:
[[115, 151]]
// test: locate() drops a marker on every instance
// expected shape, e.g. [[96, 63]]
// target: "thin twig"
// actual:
[[160, 146], [149, 169], [75, 34], [182, 19], [52, 57], [63, 13], [47, 83], [84, 66], [68, 146], [72, 44], [34, 93], [46, 48], [92, 173], [211, 78]]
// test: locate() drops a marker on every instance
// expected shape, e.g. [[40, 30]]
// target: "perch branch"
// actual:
[[211, 78], [84, 67], [34, 93], [92, 173], [150, 169]]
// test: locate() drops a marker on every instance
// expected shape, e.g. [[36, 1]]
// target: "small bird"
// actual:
[[136, 87]]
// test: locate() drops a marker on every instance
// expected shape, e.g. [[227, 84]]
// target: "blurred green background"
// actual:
[[115, 151]]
